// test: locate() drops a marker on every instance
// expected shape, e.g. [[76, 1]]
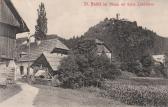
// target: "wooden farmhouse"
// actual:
[[48, 62], [11, 23], [102, 48], [44, 55]]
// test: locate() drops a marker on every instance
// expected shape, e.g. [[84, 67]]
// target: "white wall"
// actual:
[[108, 55], [25, 67]]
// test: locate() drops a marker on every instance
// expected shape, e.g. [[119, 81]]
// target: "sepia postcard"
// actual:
[[83, 53]]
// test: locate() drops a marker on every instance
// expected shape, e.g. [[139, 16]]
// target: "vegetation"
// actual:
[[85, 97], [84, 67], [132, 45], [145, 92], [41, 27]]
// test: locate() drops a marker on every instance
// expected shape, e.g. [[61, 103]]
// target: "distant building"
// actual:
[[159, 58], [103, 49], [51, 46]]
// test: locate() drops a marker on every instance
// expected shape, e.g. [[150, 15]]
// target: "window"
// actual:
[[21, 70]]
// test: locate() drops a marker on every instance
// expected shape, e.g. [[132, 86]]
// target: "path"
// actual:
[[23, 99]]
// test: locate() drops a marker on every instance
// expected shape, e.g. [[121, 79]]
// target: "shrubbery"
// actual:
[[141, 68], [84, 67], [77, 72]]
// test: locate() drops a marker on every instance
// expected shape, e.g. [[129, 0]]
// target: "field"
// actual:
[[8, 92], [85, 97], [138, 91], [134, 92]]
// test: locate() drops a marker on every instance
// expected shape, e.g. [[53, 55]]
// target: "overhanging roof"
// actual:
[[23, 27]]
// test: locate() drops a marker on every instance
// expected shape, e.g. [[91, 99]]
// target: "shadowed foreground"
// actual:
[[23, 99], [9, 91]]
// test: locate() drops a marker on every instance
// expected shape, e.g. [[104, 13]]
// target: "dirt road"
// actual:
[[24, 98]]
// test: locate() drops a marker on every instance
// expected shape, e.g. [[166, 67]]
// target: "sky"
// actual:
[[68, 18]]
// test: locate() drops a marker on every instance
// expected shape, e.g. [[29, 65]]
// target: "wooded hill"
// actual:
[[126, 39]]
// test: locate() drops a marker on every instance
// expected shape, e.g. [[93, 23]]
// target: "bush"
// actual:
[[84, 67], [77, 71]]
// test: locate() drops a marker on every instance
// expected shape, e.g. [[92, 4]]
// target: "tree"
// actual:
[[41, 27], [70, 73]]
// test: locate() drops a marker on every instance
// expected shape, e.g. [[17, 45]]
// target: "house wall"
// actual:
[[8, 29], [108, 55], [25, 65], [7, 70], [61, 55], [7, 41]]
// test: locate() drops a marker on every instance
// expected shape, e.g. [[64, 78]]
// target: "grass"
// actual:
[[138, 91], [84, 97], [8, 92]]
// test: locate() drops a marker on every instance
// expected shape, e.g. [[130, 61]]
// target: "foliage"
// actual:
[[41, 27], [134, 94], [146, 60], [84, 67], [142, 67], [128, 42], [69, 72]]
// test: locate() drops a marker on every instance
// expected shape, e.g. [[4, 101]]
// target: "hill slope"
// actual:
[[126, 39]]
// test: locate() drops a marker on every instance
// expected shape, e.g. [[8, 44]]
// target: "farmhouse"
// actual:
[[53, 46], [48, 62], [159, 58], [102, 48], [11, 23]]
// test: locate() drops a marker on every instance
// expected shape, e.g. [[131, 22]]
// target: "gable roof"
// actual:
[[51, 61], [22, 25], [97, 41], [100, 45], [22, 40], [102, 48], [37, 50]]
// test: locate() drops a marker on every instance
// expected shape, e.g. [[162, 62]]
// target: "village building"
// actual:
[[53, 46], [48, 64], [102, 49], [159, 59], [11, 23]]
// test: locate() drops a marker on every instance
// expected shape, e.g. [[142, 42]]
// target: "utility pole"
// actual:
[[28, 69]]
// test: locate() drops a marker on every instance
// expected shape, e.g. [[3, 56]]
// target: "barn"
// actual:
[[11, 23], [50, 45]]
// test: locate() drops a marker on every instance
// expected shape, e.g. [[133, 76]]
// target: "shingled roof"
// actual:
[[44, 46], [49, 60]]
